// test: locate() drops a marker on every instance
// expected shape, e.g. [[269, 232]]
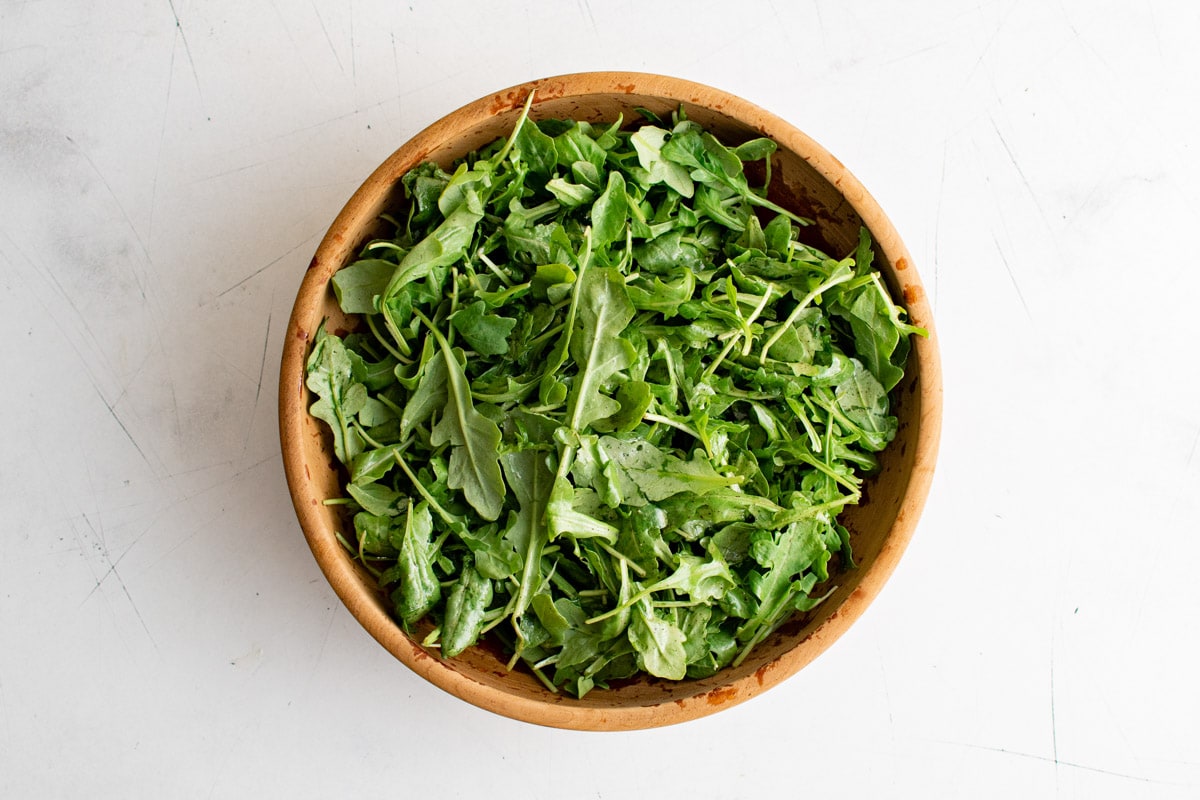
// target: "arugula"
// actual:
[[603, 393]]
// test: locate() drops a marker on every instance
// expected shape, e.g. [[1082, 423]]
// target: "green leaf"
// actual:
[[658, 475], [536, 149], [486, 333], [564, 518], [357, 285], [785, 555], [430, 394], [574, 145], [597, 346], [474, 458], [778, 235], [635, 399], [755, 149], [571, 195], [371, 465], [374, 533], [865, 403], [465, 609], [374, 499], [419, 590], [648, 142], [668, 253], [557, 625], [665, 298], [340, 397], [659, 644], [445, 245], [552, 281], [531, 481], [610, 212]]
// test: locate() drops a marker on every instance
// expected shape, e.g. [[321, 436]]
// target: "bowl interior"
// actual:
[[806, 180]]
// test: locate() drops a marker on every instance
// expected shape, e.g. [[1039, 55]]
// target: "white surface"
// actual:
[[166, 171]]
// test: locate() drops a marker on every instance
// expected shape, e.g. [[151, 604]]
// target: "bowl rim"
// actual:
[[562, 712]]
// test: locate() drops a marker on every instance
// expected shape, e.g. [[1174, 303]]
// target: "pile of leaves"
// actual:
[[599, 407]]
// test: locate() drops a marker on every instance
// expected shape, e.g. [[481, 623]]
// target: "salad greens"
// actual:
[[605, 404]]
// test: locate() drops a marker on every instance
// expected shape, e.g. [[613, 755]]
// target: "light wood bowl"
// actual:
[[805, 179]]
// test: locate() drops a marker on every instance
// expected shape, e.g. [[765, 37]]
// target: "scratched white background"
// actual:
[[166, 171]]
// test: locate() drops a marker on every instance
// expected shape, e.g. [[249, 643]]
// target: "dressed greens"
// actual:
[[605, 404]]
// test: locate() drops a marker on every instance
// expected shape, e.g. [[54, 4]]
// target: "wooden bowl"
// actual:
[[805, 179]]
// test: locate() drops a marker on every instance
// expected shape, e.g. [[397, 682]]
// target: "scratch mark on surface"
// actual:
[[1067, 18], [113, 413], [267, 266], [171, 388], [353, 60], [124, 214], [1049, 760], [1192, 452], [112, 571], [1154, 28], [1053, 714], [1011, 276], [287, 29], [328, 40], [324, 643], [162, 137], [1020, 172], [913, 54], [396, 68], [67, 297], [887, 695], [821, 23], [246, 469], [262, 369], [133, 377], [263, 366], [187, 51], [445, 78], [937, 223], [585, 8], [999, 26], [235, 170]]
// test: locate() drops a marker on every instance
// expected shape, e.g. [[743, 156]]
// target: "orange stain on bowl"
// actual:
[[721, 695]]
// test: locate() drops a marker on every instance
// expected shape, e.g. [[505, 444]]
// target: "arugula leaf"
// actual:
[[474, 458], [445, 244], [597, 346], [648, 142], [784, 556], [357, 286], [610, 212], [465, 609], [429, 396], [487, 334], [865, 403], [419, 590], [340, 396], [659, 644], [374, 499], [530, 479], [880, 335]]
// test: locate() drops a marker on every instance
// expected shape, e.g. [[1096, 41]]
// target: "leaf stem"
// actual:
[[679, 426], [617, 554], [495, 269], [792, 317]]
